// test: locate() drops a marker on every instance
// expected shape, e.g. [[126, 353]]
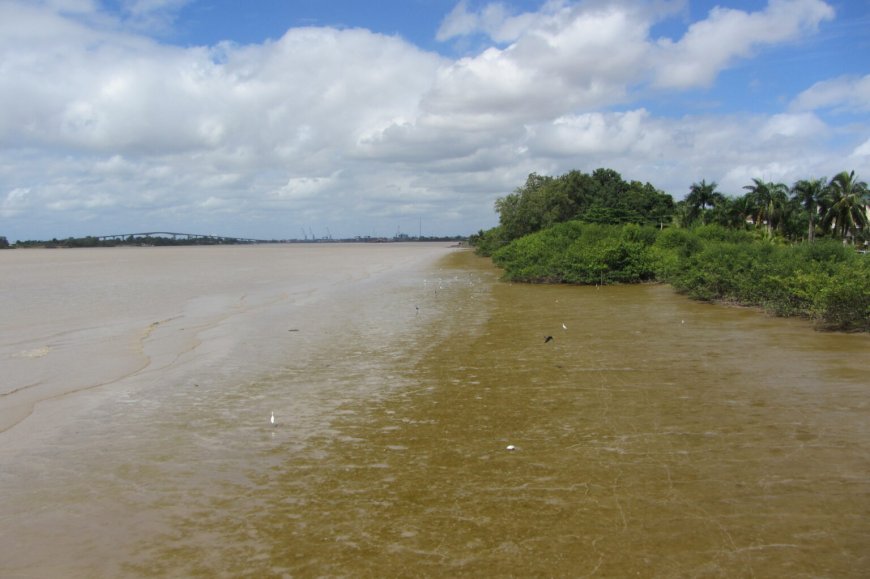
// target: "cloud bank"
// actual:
[[104, 129]]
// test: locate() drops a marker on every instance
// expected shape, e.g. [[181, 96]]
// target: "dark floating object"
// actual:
[[547, 339], [293, 330]]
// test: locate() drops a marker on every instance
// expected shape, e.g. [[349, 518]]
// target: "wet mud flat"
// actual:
[[653, 436]]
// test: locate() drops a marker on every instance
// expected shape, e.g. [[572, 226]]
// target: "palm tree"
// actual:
[[810, 193], [743, 208], [769, 199], [849, 198], [700, 196]]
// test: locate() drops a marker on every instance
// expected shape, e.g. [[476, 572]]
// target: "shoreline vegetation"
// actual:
[[803, 256], [161, 239]]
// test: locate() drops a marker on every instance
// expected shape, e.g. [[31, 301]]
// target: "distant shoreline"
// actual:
[[167, 239]]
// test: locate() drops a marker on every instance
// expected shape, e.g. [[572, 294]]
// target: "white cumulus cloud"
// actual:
[[844, 93], [104, 126], [727, 34]]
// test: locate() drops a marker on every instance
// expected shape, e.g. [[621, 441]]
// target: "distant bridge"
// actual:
[[181, 236]]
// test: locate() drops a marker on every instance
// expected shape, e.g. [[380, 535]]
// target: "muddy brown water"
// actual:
[[653, 437]]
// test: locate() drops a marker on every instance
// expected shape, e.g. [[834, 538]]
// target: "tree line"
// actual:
[[834, 208], [788, 250], [137, 240], [810, 208]]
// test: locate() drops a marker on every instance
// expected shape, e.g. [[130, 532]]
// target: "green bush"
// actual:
[[823, 281], [681, 241], [845, 303], [581, 253], [722, 234], [488, 242]]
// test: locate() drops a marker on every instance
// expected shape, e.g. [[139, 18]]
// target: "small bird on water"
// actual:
[[547, 339]]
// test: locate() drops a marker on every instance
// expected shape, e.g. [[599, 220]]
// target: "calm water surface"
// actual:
[[653, 437]]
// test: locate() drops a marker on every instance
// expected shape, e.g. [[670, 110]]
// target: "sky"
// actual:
[[274, 119]]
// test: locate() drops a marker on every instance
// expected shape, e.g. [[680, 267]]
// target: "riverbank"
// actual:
[[824, 281]]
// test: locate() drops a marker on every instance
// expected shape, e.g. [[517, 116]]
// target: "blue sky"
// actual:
[[261, 118], [417, 21]]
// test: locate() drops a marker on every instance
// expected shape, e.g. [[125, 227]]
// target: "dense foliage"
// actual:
[[835, 208], [825, 281], [789, 251], [602, 197], [582, 253]]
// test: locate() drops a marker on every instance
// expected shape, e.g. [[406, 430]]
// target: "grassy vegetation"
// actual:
[[581, 253], [823, 281], [790, 256]]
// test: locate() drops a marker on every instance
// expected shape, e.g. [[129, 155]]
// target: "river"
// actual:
[[426, 428]]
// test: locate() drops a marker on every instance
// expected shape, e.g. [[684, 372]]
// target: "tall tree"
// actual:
[[810, 193], [731, 212], [849, 199], [702, 196], [520, 212], [769, 199]]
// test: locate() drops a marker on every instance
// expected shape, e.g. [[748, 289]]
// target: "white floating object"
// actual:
[[510, 447], [564, 327], [273, 419]]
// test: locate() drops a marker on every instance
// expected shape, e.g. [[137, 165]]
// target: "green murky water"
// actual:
[[653, 437]]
